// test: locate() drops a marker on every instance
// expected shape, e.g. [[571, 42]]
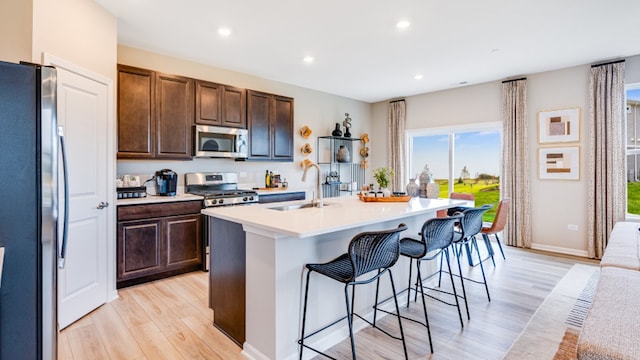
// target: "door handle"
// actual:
[[102, 205]]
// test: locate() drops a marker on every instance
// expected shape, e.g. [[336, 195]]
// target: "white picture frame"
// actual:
[[558, 126], [559, 163]]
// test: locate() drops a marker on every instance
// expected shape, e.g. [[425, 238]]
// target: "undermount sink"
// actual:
[[296, 206]]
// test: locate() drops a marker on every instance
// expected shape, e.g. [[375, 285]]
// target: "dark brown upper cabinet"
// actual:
[[220, 105], [270, 124], [174, 109], [155, 114], [136, 113]]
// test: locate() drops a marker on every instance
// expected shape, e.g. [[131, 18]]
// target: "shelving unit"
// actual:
[[340, 177]]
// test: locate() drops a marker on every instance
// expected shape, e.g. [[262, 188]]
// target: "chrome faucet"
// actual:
[[315, 200]]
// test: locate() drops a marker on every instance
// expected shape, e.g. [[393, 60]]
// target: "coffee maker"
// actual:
[[166, 182]]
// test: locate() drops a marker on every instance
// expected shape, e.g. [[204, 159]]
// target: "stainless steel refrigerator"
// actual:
[[30, 220]]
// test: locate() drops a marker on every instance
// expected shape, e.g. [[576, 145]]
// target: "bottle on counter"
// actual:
[[285, 184], [271, 184], [267, 180]]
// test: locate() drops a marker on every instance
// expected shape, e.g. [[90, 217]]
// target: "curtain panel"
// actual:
[[397, 157], [607, 194], [514, 184]]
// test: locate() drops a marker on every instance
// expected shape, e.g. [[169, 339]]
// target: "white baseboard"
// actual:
[[560, 250], [332, 337]]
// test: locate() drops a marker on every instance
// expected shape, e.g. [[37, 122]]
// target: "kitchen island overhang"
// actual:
[[276, 246]]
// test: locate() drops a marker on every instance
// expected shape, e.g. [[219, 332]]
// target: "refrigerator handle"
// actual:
[[65, 225]]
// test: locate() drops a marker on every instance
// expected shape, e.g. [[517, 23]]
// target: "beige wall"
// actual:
[[15, 30], [79, 31], [555, 204], [320, 111]]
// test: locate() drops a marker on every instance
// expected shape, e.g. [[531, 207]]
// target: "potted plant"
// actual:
[[383, 176]]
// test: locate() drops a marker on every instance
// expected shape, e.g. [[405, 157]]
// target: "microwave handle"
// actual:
[[239, 144]]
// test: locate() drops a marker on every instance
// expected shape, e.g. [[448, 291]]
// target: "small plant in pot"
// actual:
[[383, 176]]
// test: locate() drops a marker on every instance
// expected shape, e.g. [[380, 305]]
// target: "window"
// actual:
[[633, 149], [460, 159]]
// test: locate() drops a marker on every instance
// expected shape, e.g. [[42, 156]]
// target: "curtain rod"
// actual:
[[396, 101], [512, 80], [608, 63]]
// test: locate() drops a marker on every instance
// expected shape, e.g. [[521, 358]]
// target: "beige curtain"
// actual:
[[514, 184], [397, 156], [607, 194]]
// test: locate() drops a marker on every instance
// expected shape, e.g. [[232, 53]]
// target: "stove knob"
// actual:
[[220, 201], [251, 198], [244, 198]]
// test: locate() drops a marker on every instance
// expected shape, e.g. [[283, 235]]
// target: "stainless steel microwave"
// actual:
[[220, 142]]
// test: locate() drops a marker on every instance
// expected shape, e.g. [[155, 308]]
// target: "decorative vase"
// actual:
[[337, 131], [433, 189], [413, 189], [424, 181], [343, 155]]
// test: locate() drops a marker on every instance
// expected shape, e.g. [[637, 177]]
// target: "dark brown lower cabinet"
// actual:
[[227, 295], [157, 241]]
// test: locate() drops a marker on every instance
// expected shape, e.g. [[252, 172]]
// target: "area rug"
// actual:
[[553, 330]]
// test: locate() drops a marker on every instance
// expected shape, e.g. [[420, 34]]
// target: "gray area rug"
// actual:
[[565, 307]]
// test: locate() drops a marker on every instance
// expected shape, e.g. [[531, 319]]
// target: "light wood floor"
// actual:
[[170, 319]]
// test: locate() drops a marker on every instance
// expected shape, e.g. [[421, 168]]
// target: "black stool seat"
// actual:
[[412, 248], [339, 269]]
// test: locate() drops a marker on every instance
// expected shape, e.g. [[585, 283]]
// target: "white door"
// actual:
[[83, 112]]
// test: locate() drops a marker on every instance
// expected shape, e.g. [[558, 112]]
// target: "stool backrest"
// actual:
[[501, 216], [471, 222], [374, 250], [437, 233]]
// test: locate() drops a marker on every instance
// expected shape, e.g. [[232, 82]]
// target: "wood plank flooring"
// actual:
[[170, 319]]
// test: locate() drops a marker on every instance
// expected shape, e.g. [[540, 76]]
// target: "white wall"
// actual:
[[320, 111], [555, 204]]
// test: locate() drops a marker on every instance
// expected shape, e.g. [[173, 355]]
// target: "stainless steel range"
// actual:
[[219, 189]]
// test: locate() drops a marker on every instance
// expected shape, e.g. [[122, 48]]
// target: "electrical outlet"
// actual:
[[572, 227]]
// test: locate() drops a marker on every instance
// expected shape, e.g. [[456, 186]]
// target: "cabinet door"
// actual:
[[174, 116], [234, 107], [258, 109], [208, 103], [139, 248], [183, 241], [283, 129], [136, 112]]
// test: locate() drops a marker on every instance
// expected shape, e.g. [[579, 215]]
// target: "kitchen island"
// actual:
[[277, 241]]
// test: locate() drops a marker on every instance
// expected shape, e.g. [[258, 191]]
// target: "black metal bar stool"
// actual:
[[435, 238], [373, 251], [465, 236]]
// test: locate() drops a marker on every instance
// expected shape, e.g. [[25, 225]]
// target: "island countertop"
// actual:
[[340, 214]]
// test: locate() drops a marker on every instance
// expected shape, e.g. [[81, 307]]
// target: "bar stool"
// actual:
[[435, 239], [465, 235], [498, 225], [368, 252]]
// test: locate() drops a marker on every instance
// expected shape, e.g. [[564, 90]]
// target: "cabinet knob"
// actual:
[[102, 205]]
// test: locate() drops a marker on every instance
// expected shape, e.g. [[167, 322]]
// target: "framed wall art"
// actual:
[[559, 163], [559, 126]]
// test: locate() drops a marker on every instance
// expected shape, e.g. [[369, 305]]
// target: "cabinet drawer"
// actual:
[[148, 211]]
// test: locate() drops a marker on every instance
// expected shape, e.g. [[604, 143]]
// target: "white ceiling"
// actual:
[[359, 53]]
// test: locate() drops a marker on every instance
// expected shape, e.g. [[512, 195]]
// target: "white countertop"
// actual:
[[342, 213], [152, 199]]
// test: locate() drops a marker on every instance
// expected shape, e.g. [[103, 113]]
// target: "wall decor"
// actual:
[[559, 163], [305, 132], [559, 126], [306, 149]]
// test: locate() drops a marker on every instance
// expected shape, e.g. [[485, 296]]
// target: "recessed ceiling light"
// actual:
[[308, 59], [403, 24], [417, 76], [223, 31]]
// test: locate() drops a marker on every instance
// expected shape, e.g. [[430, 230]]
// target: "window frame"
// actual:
[[451, 132], [627, 87]]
